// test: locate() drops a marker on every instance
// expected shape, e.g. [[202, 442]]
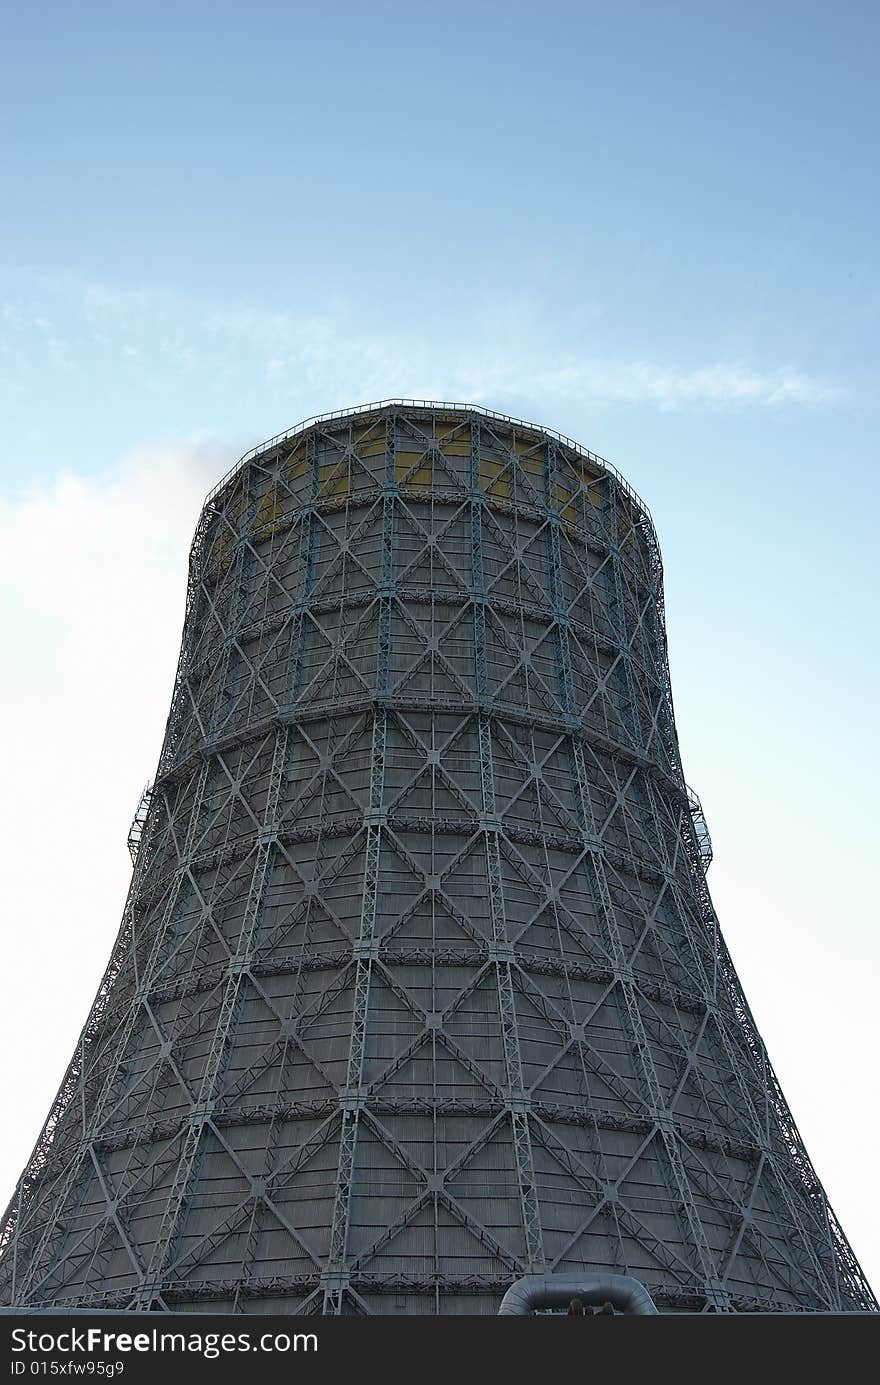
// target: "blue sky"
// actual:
[[651, 226]]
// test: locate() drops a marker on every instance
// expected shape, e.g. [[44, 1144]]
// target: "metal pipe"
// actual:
[[554, 1290]]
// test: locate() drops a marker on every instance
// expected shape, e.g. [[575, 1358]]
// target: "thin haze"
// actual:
[[651, 226]]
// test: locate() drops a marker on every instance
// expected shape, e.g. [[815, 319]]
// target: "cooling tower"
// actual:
[[419, 987]]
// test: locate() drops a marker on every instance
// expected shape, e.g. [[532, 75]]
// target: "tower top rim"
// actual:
[[434, 406]]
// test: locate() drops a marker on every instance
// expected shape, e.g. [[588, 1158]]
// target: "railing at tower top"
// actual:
[[457, 407]]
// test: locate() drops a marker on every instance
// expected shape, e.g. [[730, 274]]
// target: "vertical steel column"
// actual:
[[500, 952], [335, 1279]]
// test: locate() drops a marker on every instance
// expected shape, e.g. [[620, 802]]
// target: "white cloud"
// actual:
[[335, 354], [92, 586], [722, 384]]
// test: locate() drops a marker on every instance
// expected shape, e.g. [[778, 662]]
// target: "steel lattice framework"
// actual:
[[419, 986]]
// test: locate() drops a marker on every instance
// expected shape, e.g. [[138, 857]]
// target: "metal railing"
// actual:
[[136, 831], [701, 827], [457, 407]]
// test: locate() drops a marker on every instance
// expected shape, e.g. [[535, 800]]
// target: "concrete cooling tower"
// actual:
[[419, 987]]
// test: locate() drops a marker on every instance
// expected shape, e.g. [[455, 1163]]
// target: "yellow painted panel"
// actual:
[[568, 510], [412, 469], [405, 458], [590, 482], [333, 478], [454, 437], [491, 479], [235, 501], [370, 441], [527, 442], [531, 459], [532, 465], [269, 508], [295, 466], [221, 553]]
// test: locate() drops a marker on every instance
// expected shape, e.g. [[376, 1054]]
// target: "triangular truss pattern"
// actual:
[[419, 987]]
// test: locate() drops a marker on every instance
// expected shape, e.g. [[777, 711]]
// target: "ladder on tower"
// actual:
[[704, 841], [136, 831]]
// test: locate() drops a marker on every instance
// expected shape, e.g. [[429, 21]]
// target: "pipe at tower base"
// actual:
[[556, 1290]]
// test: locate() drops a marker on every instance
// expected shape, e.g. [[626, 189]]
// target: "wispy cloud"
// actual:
[[720, 384], [333, 354], [92, 583]]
